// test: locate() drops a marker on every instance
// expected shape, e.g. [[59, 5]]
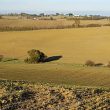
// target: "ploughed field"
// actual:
[[24, 95]]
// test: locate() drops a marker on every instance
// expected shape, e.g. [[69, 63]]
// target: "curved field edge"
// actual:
[[56, 73], [74, 45], [29, 24], [26, 95]]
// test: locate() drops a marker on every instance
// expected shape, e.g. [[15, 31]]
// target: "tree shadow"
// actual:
[[53, 58]]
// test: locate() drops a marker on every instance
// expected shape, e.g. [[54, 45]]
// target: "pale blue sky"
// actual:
[[55, 5]]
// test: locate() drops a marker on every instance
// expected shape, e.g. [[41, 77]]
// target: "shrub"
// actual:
[[93, 25], [77, 22], [0, 17], [26, 95], [106, 25], [89, 63], [51, 18], [97, 91], [1, 58], [35, 56], [108, 65]]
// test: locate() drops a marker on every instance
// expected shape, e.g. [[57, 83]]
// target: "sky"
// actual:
[[49, 6]]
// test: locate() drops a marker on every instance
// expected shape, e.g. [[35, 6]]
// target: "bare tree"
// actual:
[[77, 22], [0, 17], [108, 19]]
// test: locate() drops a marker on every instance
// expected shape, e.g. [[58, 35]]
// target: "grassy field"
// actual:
[[75, 45], [30, 24], [57, 73], [34, 23]]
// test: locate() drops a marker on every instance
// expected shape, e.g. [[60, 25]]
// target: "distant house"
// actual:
[[69, 14], [76, 15], [34, 18]]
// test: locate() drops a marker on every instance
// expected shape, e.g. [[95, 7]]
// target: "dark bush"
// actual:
[[1, 58], [97, 91], [35, 56], [93, 25], [89, 63], [27, 94], [99, 64], [0, 17], [108, 65], [106, 25]]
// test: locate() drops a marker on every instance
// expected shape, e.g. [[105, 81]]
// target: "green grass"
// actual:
[[57, 73]]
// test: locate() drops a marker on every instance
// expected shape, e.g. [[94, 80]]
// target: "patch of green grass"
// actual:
[[9, 60]]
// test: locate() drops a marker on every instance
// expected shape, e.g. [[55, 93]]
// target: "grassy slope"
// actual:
[[57, 73], [75, 45]]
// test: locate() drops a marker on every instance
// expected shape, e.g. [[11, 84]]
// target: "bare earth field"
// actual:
[[28, 96], [75, 45]]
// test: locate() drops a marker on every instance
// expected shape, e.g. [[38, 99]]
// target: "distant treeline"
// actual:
[[55, 24], [68, 16]]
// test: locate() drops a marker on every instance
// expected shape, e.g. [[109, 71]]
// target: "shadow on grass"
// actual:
[[10, 59], [53, 58]]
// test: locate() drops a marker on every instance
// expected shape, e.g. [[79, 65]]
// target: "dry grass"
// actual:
[[57, 73], [13, 23], [37, 24], [75, 45]]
